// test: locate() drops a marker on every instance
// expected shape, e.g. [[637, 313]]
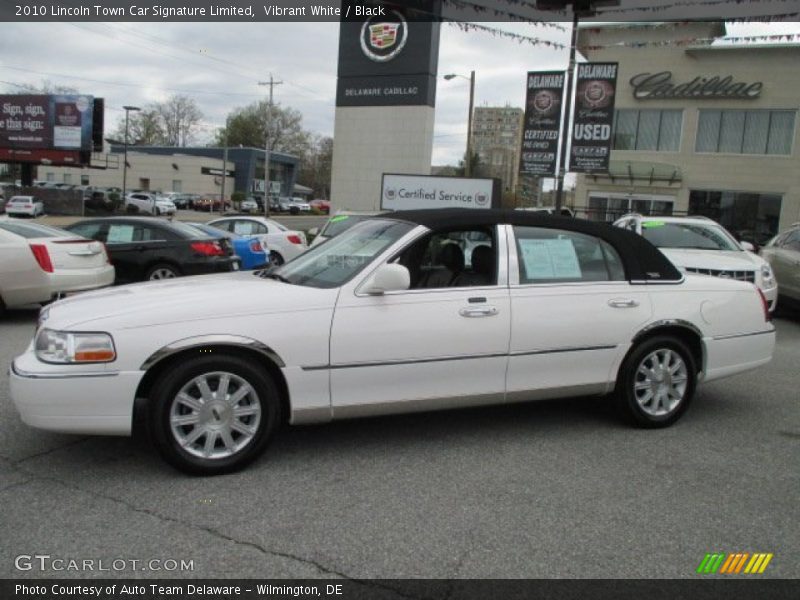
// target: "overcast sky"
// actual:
[[220, 65]]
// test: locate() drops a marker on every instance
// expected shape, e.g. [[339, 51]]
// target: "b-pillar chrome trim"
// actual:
[[223, 339]]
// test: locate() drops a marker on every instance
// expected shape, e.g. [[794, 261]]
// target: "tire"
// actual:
[[647, 395], [162, 271], [275, 259], [157, 212], [294, 210], [201, 434]]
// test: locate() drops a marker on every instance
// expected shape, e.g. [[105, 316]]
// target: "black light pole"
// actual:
[[580, 8], [128, 109], [562, 167]]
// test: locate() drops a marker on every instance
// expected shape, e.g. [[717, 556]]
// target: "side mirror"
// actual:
[[387, 278], [314, 231], [747, 246]]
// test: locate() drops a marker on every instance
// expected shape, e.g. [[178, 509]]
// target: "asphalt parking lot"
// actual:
[[549, 489]]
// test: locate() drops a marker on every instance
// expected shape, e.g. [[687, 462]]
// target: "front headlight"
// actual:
[[65, 347], [767, 276]]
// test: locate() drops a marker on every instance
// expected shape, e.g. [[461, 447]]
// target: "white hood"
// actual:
[[727, 260], [184, 299]]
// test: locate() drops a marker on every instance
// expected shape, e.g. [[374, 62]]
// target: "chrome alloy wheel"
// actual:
[[215, 415], [162, 273], [661, 382]]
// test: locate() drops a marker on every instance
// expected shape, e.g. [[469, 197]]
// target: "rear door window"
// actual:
[[558, 256]]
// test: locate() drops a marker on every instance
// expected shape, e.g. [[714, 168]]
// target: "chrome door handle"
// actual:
[[483, 311], [622, 303]]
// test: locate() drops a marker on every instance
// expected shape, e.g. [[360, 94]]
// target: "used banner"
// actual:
[[594, 117], [542, 123]]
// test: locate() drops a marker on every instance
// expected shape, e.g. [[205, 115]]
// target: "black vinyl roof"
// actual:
[[642, 260]]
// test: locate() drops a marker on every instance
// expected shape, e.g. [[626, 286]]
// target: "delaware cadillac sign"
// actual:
[[648, 86], [389, 57]]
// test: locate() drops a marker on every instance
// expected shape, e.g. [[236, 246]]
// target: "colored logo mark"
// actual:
[[734, 563]]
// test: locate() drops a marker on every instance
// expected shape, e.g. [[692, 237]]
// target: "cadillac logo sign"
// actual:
[[595, 94], [382, 40]]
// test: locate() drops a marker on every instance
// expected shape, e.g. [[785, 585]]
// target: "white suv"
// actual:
[[150, 203], [700, 245]]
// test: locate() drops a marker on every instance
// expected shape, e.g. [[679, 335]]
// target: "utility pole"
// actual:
[[224, 168], [468, 164], [271, 83]]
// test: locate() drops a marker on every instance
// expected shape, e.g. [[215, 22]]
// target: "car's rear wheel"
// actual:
[[162, 271], [657, 382], [214, 414], [275, 258]]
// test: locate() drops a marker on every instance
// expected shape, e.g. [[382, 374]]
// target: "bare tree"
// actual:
[[315, 170], [45, 87], [144, 128], [180, 117]]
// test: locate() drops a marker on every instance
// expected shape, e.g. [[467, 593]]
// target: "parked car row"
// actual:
[[41, 263]]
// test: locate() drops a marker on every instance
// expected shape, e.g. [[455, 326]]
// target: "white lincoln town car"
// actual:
[[406, 311]]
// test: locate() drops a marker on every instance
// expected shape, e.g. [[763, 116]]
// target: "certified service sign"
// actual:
[[382, 40]]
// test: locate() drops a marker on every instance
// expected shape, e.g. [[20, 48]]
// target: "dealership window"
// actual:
[[654, 130], [745, 131], [748, 216], [177, 185], [610, 207], [51, 177], [84, 180]]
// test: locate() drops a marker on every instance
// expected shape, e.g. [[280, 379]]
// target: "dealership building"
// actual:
[[197, 170], [699, 129]]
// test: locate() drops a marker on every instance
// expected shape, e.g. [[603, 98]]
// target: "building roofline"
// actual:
[[181, 150]]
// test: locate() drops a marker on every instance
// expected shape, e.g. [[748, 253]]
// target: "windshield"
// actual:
[[334, 263], [687, 235], [340, 223]]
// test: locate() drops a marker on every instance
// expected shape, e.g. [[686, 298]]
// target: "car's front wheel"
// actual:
[[657, 382], [275, 259], [214, 414]]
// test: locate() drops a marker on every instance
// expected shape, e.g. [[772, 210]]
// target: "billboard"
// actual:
[[389, 59], [540, 132], [590, 148], [56, 129], [409, 192]]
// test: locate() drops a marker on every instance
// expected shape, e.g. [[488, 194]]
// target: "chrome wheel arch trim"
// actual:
[[682, 324], [224, 339], [668, 323]]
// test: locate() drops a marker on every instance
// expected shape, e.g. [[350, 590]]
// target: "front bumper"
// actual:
[[90, 399], [771, 294]]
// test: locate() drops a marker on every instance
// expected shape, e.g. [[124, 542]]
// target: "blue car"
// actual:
[[252, 253]]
